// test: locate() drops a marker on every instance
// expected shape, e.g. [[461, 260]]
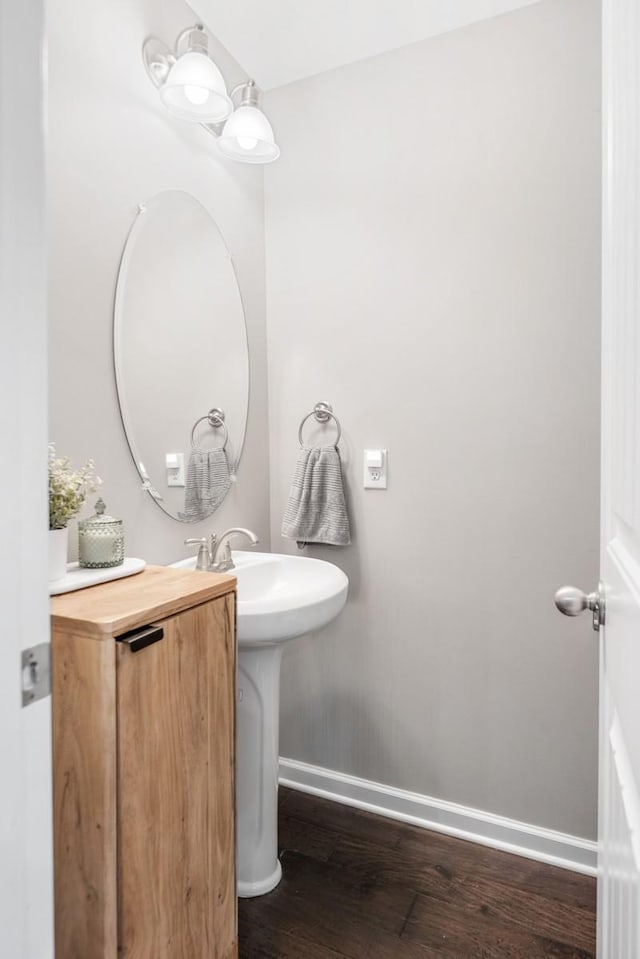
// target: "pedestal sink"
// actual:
[[279, 597]]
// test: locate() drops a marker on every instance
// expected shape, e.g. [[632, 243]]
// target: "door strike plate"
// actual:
[[36, 673]]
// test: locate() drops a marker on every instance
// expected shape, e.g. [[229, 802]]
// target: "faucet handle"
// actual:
[[224, 560], [204, 557]]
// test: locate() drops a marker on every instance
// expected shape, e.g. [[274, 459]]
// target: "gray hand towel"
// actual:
[[316, 511], [208, 482]]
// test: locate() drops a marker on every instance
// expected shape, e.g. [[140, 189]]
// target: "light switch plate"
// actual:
[[174, 463], [375, 477]]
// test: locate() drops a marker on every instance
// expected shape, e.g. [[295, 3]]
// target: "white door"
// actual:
[[619, 799], [26, 882], [619, 811]]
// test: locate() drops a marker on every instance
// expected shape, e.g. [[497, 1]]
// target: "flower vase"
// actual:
[[58, 542]]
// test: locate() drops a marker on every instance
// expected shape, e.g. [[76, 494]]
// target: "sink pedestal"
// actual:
[[257, 718], [280, 597]]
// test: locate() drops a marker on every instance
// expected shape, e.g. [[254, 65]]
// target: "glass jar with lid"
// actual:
[[100, 540]]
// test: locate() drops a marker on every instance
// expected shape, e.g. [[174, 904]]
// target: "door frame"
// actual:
[[26, 836]]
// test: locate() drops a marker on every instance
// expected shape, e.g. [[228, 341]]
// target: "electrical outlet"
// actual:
[[375, 469]]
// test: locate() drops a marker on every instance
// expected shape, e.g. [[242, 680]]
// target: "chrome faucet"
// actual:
[[214, 554], [221, 548]]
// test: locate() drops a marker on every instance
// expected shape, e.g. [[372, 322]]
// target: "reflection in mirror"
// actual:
[[181, 355]]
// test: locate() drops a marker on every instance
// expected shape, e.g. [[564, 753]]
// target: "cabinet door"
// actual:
[[176, 832]]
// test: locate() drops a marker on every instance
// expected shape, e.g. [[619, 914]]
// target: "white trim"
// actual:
[[26, 803], [509, 835]]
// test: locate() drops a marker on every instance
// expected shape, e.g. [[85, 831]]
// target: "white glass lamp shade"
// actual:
[[247, 136], [195, 90]]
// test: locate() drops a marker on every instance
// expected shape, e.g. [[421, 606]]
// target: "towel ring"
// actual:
[[215, 418], [323, 413]]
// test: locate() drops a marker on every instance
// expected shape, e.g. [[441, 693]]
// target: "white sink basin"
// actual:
[[281, 597]]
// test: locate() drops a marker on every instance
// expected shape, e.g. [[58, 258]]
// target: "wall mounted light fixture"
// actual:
[[192, 87]]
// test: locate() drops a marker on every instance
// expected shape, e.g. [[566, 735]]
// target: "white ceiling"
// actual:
[[279, 41]]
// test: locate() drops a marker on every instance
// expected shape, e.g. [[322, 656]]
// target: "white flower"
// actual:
[[68, 488]]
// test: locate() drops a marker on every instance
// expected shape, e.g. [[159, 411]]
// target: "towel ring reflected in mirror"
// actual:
[[323, 412], [215, 419]]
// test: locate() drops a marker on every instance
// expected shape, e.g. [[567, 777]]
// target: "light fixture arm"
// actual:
[[195, 37], [250, 96]]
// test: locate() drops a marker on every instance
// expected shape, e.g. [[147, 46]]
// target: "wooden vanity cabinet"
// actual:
[[144, 750]]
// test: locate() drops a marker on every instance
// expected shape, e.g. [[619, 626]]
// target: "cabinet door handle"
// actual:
[[139, 639]]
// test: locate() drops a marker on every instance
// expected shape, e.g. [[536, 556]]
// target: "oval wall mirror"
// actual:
[[180, 353]]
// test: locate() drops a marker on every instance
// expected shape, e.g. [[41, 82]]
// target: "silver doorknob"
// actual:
[[572, 601]]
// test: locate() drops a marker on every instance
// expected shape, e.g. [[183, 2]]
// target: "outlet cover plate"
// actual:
[[374, 478]]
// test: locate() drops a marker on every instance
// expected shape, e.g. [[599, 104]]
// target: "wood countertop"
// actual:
[[111, 609]]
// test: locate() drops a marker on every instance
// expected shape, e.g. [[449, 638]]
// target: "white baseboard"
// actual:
[[522, 839]]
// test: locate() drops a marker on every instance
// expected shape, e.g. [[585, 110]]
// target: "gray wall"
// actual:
[[432, 261], [111, 146], [433, 272]]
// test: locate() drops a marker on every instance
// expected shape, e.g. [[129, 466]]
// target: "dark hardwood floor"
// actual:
[[363, 887]]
